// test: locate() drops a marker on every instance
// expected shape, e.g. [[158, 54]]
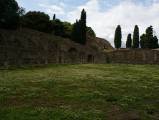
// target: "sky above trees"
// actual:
[[103, 15]]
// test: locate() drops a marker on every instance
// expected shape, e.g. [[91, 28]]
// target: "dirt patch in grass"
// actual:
[[115, 113]]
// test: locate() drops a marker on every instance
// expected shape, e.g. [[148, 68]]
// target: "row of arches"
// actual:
[[73, 56]]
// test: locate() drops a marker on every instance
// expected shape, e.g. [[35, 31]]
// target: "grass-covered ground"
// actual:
[[80, 92]]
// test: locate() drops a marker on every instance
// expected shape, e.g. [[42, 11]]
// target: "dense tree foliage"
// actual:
[[136, 37], [57, 27], [90, 32], [118, 37], [67, 29], [13, 16], [148, 40], [9, 14], [83, 29], [76, 36], [79, 31], [129, 41], [37, 20], [41, 22]]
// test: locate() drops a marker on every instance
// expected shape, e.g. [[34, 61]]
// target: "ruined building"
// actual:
[[134, 56], [25, 46]]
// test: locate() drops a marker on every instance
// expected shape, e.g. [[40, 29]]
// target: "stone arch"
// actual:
[[82, 57], [90, 58], [73, 54]]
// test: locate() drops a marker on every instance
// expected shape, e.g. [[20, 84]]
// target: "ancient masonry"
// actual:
[[134, 56], [31, 47], [27, 46]]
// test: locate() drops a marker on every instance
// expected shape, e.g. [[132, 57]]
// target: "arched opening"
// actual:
[[72, 55], [82, 57], [90, 59]]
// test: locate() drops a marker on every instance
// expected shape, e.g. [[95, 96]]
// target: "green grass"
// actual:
[[80, 92]]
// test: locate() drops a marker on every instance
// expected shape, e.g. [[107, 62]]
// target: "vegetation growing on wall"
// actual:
[[12, 16], [148, 40], [37, 20]]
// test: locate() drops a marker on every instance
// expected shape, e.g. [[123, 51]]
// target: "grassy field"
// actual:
[[80, 92]]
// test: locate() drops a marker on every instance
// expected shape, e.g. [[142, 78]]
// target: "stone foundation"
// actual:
[[134, 56]]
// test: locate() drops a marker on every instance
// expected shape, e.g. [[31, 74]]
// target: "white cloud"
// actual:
[[51, 9], [127, 14]]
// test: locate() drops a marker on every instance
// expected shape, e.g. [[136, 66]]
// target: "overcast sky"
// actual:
[[103, 15]]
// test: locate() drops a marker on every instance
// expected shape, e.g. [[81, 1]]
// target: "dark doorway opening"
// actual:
[[90, 59]]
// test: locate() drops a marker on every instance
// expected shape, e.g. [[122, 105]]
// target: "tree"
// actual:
[[37, 20], [149, 35], [136, 37], [76, 35], [21, 11], [90, 32], [54, 17], [143, 40], [58, 28], [67, 29], [9, 14], [118, 37], [79, 30], [129, 41], [148, 40], [83, 27], [155, 42]]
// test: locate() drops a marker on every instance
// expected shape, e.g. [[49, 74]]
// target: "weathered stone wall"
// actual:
[[27, 46], [134, 56]]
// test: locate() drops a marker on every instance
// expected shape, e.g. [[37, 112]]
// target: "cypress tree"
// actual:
[[54, 17], [80, 29], [118, 37], [136, 37], [149, 34], [83, 27], [129, 41]]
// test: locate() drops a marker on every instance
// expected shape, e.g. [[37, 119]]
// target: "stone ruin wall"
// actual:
[[31, 47], [134, 56]]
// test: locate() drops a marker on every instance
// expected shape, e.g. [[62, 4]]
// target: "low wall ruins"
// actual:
[[134, 56], [31, 47]]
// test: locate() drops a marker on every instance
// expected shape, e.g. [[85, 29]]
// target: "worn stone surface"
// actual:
[[25, 46], [134, 56]]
